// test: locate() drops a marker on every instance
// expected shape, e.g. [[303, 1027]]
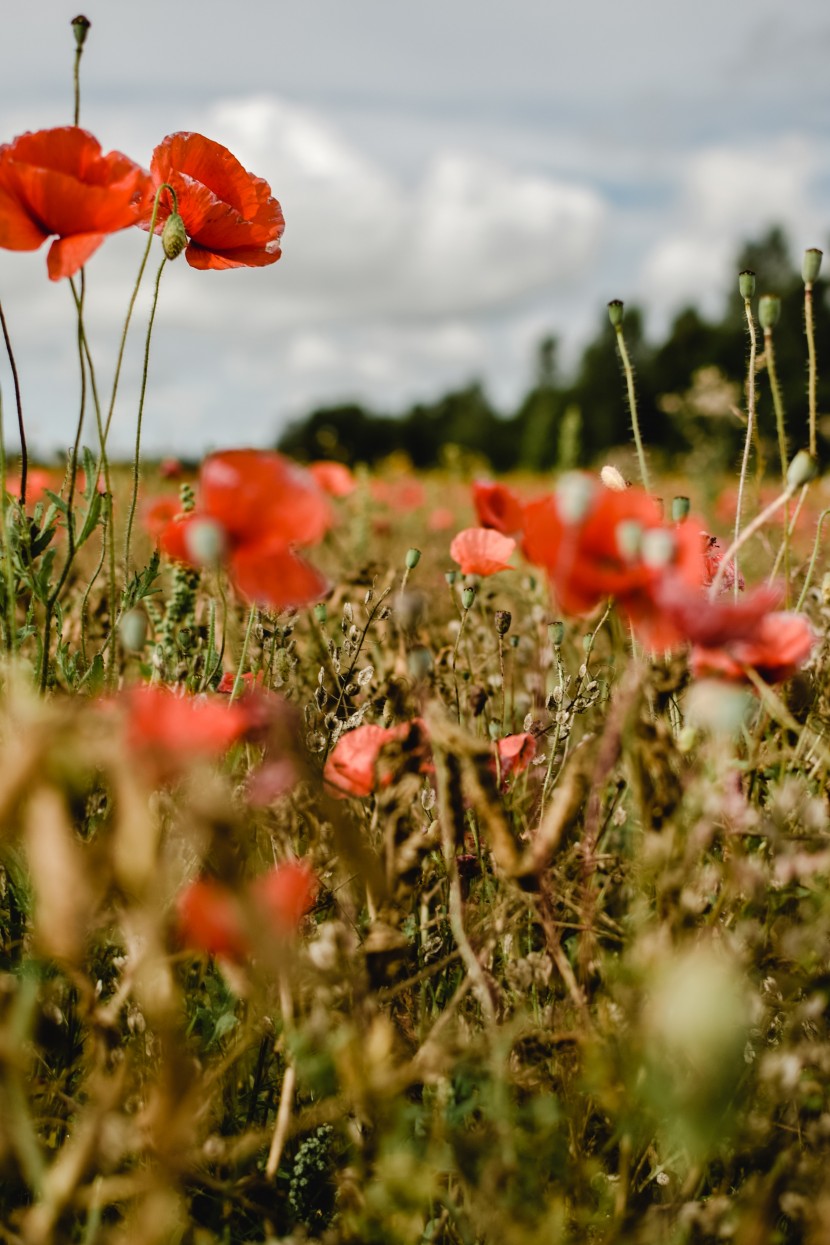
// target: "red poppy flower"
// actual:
[[498, 506], [352, 766], [482, 551], [254, 507], [595, 543], [58, 182], [401, 495], [333, 478], [515, 753], [211, 919], [712, 558], [231, 218], [158, 513], [37, 482], [285, 894], [775, 649], [169, 731], [441, 519]]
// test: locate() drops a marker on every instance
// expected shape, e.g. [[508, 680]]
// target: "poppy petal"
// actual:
[[67, 255], [482, 551], [276, 578]]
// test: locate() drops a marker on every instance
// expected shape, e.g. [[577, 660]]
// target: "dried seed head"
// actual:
[[503, 619]]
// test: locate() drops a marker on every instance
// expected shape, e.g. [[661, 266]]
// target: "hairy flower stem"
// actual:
[[756, 524], [811, 568], [24, 453], [632, 404], [133, 297], [750, 424], [240, 670], [778, 403], [137, 458], [453, 660], [812, 370], [8, 569]]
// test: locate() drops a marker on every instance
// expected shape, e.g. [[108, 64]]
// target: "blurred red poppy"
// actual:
[[399, 494], [37, 482], [712, 558], [441, 519], [285, 894], [210, 918], [353, 764], [158, 513], [334, 478], [498, 506], [596, 543], [775, 648], [231, 218], [59, 182], [169, 732], [254, 507], [482, 551]]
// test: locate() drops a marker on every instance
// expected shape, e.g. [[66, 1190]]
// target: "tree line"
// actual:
[[690, 389]]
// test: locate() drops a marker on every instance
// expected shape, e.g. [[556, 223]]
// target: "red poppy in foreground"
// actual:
[[775, 648], [59, 182], [596, 543], [231, 218], [169, 731], [482, 551], [254, 507], [214, 919], [497, 506], [285, 894]]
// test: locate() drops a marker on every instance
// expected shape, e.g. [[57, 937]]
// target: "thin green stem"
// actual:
[[749, 531], [812, 369], [778, 404], [137, 458], [464, 614], [750, 423], [105, 543], [812, 566], [76, 83], [8, 570], [240, 670], [632, 403], [24, 453]]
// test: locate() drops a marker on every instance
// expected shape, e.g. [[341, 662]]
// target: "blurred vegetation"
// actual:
[[548, 429]]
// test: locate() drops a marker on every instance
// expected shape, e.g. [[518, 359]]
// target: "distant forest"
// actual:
[[690, 393]]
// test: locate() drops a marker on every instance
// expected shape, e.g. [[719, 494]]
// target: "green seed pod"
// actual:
[[746, 283], [173, 236], [132, 630], [556, 633], [802, 469], [616, 310], [205, 542], [811, 265], [680, 507], [413, 557], [467, 597], [451, 577], [80, 28], [321, 612], [769, 309]]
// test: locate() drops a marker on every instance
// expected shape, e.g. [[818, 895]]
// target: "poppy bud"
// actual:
[[556, 633], [205, 542], [132, 630], [321, 612], [80, 27], [680, 507], [746, 283], [413, 557], [769, 309], [811, 264], [802, 469], [173, 236], [467, 598], [613, 479], [503, 619], [616, 309]]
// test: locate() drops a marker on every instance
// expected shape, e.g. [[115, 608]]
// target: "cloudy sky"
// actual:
[[458, 177]]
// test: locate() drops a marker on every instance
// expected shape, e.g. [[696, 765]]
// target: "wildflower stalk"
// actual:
[[747, 287], [778, 403], [810, 270], [240, 670], [139, 419], [106, 544], [560, 675], [24, 453], [8, 570], [811, 568], [615, 311], [749, 531], [465, 609]]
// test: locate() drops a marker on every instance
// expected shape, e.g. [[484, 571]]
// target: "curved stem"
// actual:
[[750, 421], [812, 565], [137, 460], [757, 523], [24, 453], [778, 403], [237, 683], [632, 403]]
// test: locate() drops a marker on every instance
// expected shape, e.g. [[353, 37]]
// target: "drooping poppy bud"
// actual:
[[173, 236]]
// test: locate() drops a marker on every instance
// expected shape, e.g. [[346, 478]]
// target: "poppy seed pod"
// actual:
[[173, 236], [811, 265], [769, 309], [802, 469], [680, 507], [616, 311], [746, 283], [467, 598], [413, 557], [80, 28], [556, 632], [503, 619]]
